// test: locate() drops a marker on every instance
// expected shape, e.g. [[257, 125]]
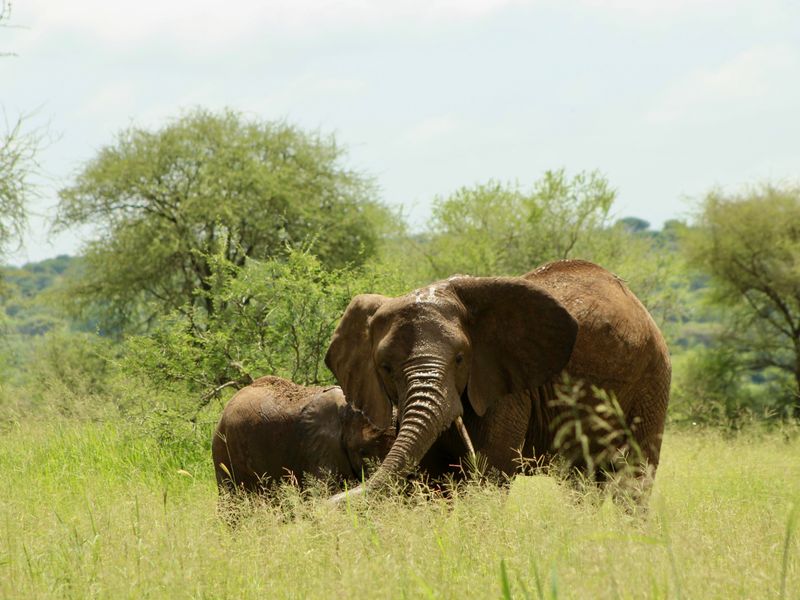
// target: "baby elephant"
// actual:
[[274, 429]]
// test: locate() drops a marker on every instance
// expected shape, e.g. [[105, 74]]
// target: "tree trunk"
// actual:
[[796, 407]]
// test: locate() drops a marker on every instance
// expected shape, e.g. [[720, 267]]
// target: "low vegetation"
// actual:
[[105, 510]]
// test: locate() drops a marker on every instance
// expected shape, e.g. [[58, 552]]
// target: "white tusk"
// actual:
[[345, 495], [462, 430]]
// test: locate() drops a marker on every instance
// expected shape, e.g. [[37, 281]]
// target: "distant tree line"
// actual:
[[226, 247]]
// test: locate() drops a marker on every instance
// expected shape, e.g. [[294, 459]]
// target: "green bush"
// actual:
[[711, 386], [274, 317], [61, 372]]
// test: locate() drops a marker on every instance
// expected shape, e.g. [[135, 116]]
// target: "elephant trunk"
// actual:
[[428, 411]]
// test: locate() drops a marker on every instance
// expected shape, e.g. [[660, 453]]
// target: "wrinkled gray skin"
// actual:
[[491, 349], [274, 429]]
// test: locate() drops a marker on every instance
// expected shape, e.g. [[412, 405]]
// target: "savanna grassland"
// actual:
[[104, 510], [228, 247]]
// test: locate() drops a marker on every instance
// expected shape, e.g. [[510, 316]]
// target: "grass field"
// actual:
[[100, 510]]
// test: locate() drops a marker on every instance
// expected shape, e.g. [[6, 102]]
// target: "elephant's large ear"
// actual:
[[349, 358], [521, 336]]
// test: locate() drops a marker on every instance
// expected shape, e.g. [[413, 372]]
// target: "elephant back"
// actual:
[[281, 392], [618, 342], [619, 347]]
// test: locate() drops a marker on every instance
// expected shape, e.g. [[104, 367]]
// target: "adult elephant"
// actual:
[[491, 350]]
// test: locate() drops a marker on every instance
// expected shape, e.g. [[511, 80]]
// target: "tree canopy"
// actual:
[[498, 228], [17, 163], [749, 244], [209, 183]]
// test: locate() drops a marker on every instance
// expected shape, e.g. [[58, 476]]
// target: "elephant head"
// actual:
[[473, 338], [362, 441]]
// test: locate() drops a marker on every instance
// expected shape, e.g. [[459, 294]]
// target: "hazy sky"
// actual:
[[667, 98]]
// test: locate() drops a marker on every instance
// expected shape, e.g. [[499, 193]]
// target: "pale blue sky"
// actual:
[[667, 98]]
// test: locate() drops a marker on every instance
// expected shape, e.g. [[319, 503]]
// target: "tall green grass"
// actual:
[[110, 511]]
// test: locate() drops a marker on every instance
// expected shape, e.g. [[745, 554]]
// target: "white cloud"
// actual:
[[210, 22], [207, 25], [656, 8], [754, 80], [430, 129], [112, 99], [665, 12], [314, 90], [318, 84]]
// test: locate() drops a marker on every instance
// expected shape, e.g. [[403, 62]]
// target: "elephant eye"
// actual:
[[459, 358], [386, 368]]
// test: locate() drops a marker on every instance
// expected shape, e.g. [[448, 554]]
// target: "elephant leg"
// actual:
[[443, 457], [500, 435], [646, 420]]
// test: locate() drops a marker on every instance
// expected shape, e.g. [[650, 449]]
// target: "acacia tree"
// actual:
[[209, 184], [496, 228], [476, 230], [17, 162], [565, 213], [749, 244]]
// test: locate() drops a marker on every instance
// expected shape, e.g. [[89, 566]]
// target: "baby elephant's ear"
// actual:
[[349, 358], [521, 336]]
